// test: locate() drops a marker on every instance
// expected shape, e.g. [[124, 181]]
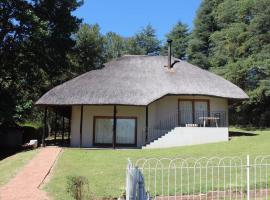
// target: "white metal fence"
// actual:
[[198, 179]]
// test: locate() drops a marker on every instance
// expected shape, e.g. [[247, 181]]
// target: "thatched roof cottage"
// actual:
[[135, 100]]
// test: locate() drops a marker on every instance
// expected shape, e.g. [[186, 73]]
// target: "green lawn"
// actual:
[[11, 165], [105, 169]]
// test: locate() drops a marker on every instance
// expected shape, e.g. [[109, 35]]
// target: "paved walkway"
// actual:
[[25, 185]]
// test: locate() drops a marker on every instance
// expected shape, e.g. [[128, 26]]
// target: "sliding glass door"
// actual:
[[191, 110], [125, 131]]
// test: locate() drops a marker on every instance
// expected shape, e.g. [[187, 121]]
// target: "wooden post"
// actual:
[[63, 128], [55, 127], [146, 123], [69, 129], [44, 127], [114, 125], [81, 124], [178, 113]]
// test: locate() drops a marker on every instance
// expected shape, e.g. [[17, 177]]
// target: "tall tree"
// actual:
[[88, 52], [239, 50], [144, 43], [35, 38], [204, 25], [180, 35], [115, 46]]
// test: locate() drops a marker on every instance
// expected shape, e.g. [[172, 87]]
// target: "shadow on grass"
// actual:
[[57, 142], [6, 152], [241, 133]]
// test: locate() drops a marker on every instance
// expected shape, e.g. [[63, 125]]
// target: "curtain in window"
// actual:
[[186, 112]]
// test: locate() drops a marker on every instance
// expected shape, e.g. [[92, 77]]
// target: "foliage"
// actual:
[[180, 36], [77, 186], [35, 38], [115, 46], [204, 25], [231, 38], [88, 52], [144, 42]]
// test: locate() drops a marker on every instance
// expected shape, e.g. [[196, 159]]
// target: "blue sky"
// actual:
[[126, 17]]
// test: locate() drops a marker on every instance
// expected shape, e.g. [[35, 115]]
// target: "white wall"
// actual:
[[183, 136], [88, 117], [156, 111], [168, 105]]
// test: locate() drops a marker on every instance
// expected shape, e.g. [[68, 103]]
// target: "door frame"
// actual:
[[193, 107], [116, 144]]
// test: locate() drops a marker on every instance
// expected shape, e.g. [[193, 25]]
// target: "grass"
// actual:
[[10, 166], [105, 169]]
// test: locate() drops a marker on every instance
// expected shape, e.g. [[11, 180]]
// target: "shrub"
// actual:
[[31, 133], [77, 186]]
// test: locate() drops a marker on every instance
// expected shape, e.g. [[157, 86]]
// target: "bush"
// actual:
[[78, 187], [31, 133]]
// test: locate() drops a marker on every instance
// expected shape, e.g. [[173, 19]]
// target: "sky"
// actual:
[[126, 17]]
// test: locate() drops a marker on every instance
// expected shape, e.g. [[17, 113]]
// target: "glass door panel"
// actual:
[[104, 131], [125, 131], [200, 110], [186, 112]]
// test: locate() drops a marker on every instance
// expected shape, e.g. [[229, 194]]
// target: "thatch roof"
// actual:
[[139, 80]]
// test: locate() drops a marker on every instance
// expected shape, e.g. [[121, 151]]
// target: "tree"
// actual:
[[204, 26], [144, 43], [88, 52], [231, 38], [115, 46], [35, 38], [180, 35]]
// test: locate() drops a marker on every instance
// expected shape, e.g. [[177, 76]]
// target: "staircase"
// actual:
[[183, 136]]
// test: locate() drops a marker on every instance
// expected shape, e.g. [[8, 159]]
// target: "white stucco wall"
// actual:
[[157, 110], [88, 118]]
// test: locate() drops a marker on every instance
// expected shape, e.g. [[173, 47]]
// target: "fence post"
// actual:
[[128, 179], [248, 177]]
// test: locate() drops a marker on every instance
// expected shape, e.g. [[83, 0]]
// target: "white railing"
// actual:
[[205, 178]]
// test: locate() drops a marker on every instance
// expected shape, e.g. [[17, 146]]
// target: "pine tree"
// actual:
[[180, 35], [144, 43], [204, 26]]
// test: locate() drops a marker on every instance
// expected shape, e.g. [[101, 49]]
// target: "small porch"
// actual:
[[56, 126], [188, 121]]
